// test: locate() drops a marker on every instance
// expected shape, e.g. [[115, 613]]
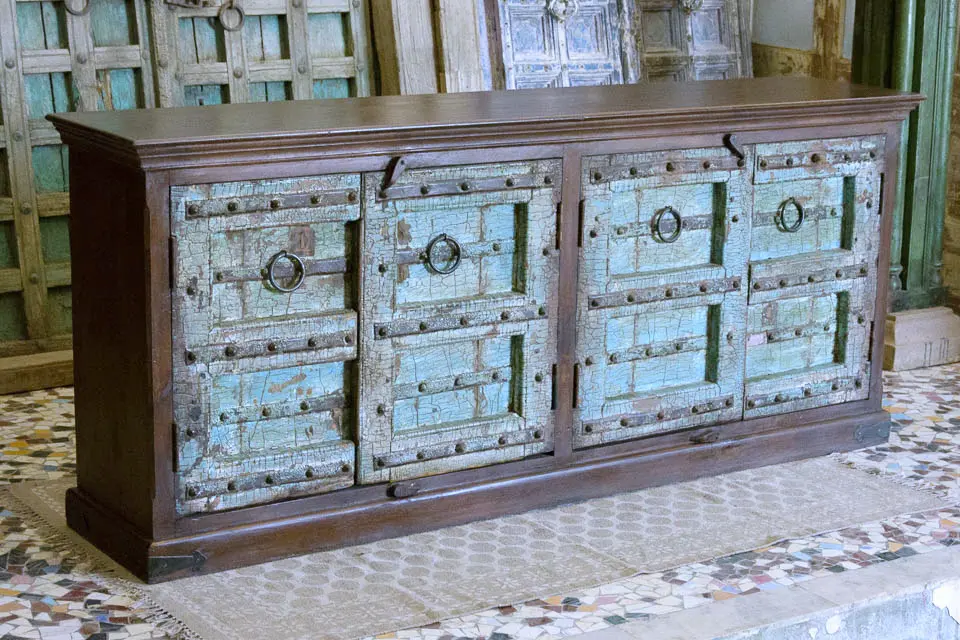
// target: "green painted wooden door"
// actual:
[[280, 50], [459, 318], [56, 56], [264, 378], [661, 308], [813, 272]]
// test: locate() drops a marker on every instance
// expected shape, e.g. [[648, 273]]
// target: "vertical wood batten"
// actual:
[[26, 222]]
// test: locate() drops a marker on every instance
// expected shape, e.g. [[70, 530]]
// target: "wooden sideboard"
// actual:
[[310, 324]]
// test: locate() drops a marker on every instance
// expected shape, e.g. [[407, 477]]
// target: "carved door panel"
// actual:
[[268, 50], [692, 40], [659, 330], [813, 272], [561, 43], [265, 335], [459, 300]]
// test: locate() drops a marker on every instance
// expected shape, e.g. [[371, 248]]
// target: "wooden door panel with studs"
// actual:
[[813, 260], [265, 328], [459, 298], [661, 307]]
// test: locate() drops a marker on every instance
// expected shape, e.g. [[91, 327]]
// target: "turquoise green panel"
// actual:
[[201, 94], [331, 88], [13, 321], [48, 93], [50, 168], [266, 38], [120, 89], [8, 246], [201, 40], [329, 35], [270, 91], [114, 23], [42, 25], [55, 239]]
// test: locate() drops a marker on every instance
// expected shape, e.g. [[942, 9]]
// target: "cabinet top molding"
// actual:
[[298, 130]]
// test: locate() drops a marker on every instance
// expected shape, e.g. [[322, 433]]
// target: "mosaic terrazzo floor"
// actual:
[[45, 594]]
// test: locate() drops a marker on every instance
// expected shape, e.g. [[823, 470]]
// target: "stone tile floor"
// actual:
[[47, 594]]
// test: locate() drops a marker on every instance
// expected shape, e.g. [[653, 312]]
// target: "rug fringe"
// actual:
[[99, 568]]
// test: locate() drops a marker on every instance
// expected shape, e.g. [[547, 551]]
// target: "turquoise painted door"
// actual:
[[459, 303], [661, 306], [265, 339], [813, 274]]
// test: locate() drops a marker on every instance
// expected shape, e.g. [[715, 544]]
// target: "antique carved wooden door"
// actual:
[[661, 305], [813, 274], [459, 300], [561, 43], [692, 39], [269, 50], [265, 339]]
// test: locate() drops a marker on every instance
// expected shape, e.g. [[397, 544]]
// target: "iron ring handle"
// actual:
[[225, 8], [298, 268], [801, 216], [82, 11], [658, 220], [455, 252]]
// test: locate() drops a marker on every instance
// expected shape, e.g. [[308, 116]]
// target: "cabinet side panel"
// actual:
[[115, 426]]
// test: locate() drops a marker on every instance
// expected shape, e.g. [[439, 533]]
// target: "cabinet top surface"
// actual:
[[453, 115]]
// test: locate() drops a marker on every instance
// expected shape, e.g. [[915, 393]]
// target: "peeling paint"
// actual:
[[948, 596]]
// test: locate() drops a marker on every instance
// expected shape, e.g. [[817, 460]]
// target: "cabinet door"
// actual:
[[659, 330], [265, 334], [459, 303], [662, 40], [813, 274], [560, 43]]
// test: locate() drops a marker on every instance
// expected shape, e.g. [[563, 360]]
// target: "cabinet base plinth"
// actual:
[[260, 540]]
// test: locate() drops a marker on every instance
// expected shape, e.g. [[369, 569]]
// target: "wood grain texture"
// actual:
[[403, 31], [458, 37]]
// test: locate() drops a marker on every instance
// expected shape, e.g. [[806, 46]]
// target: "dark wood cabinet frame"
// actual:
[[122, 168]]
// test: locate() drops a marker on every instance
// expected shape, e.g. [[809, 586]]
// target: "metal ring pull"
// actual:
[[433, 258], [299, 270], [563, 10], [231, 15], [82, 11], [781, 216], [657, 222], [689, 6]]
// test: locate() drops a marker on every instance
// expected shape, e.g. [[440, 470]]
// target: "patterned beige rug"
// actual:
[[459, 570]]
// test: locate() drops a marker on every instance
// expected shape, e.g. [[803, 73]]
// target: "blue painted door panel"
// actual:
[[661, 307], [813, 261], [459, 306], [264, 379]]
